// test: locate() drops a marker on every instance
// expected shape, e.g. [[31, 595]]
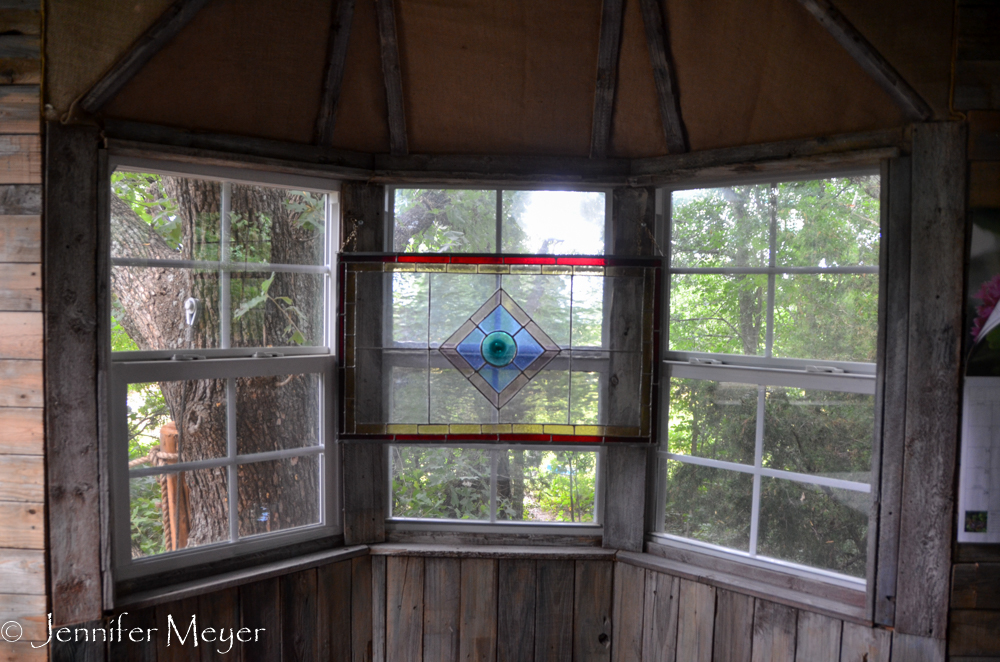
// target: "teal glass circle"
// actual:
[[498, 349]]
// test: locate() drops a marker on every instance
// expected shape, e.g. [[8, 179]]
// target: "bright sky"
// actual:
[[558, 214]]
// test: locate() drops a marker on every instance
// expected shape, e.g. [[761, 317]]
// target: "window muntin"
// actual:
[[253, 386], [773, 317]]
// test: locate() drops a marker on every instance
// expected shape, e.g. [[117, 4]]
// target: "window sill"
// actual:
[[495, 551], [839, 601], [237, 578]]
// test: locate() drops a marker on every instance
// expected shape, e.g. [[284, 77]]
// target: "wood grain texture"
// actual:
[[933, 379], [364, 493], [389, 47], [20, 159], [592, 600], [20, 200], [220, 611], [22, 525], [260, 609], [477, 639], [974, 632], [696, 621], [334, 599], [20, 71], [404, 608], [817, 638], [22, 289], [774, 628], [442, 608], [975, 586], [28, 610], [298, 615], [895, 258], [627, 633], [361, 609], [81, 646], [21, 383], [142, 51], [23, 21], [22, 651], [860, 643], [23, 479], [22, 571], [71, 249], [340, 33], [869, 58], [664, 74], [659, 621], [516, 610], [499, 551], [20, 238], [625, 498], [169, 645], [20, 46], [608, 50], [914, 648], [20, 109], [24, 431], [21, 336], [145, 651], [378, 609], [733, 627]]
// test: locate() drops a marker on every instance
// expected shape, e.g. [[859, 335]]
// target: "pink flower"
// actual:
[[989, 294]]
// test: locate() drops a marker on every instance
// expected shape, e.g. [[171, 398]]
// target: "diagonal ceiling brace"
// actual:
[[142, 51], [870, 59], [393, 77], [663, 72], [612, 16], [340, 34]]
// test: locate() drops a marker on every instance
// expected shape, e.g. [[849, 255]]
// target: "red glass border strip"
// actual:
[[529, 260], [582, 261]]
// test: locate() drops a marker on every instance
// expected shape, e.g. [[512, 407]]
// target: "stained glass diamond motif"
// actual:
[[499, 349]]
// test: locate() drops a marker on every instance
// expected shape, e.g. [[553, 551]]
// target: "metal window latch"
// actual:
[[190, 316], [267, 355], [828, 369], [186, 357], [697, 361]]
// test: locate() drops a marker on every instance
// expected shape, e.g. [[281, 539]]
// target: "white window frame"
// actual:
[[763, 371], [228, 363]]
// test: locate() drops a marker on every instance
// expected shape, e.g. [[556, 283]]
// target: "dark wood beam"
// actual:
[[142, 51], [659, 54], [393, 77], [340, 34], [870, 59], [608, 51]]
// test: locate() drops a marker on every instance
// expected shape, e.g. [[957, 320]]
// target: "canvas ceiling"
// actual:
[[503, 76]]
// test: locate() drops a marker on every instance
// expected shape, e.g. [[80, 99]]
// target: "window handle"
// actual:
[[697, 361], [829, 369], [186, 357], [267, 355]]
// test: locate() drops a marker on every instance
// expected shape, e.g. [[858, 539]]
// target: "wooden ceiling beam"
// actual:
[[609, 49], [149, 44], [393, 77], [340, 34], [663, 72], [870, 59]]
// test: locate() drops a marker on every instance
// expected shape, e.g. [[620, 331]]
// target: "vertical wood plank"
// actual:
[[913, 648], [260, 611], [773, 632], [817, 638], [298, 615], [625, 498], [554, 610], [364, 493], [404, 617], [627, 612], [174, 643], [933, 379], [477, 638], [71, 249], [378, 609], [442, 608], [393, 77], [220, 611], [733, 627], [82, 647], [334, 599], [608, 50], [695, 622], [145, 650], [361, 609], [863, 644], [516, 611], [340, 33], [592, 599], [659, 622]]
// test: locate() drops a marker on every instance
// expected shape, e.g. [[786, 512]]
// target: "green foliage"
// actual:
[[147, 412], [143, 193], [146, 521]]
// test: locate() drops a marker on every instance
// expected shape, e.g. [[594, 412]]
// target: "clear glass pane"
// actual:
[[410, 309], [279, 494], [408, 395], [818, 526], [543, 400], [588, 310], [277, 309], [554, 222], [585, 398], [277, 225], [716, 420], [454, 298], [154, 410], [277, 412], [170, 512], [453, 399], [829, 222], [819, 432], [708, 504], [545, 299], [546, 486], [164, 218], [721, 227], [148, 309], [826, 316], [719, 314], [444, 220], [440, 483]]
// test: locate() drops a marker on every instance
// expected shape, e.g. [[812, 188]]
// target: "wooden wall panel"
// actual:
[[20, 237], [774, 628], [361, 609], [592, 611], [516, 611], [404, 609], [627, 634], [554, 610], [660, 612], [442, 609], [478, 628], [334, 599], [864, 644], [696, 622], [733, 627], [20, 335], [23, 525], [817, 638], [260, 607]]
